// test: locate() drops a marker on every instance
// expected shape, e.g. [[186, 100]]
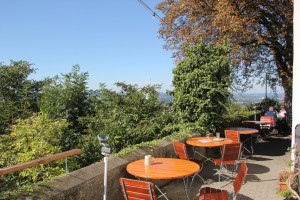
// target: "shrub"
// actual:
[[32, 138]]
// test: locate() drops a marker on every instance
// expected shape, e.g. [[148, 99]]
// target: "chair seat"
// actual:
[[218, 162], [265, 126], [212, 193]]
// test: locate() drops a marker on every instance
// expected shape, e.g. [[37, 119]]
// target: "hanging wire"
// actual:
[[154, 15]]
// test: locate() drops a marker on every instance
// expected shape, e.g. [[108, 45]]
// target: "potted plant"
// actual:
[[282, 178], [285, 178]]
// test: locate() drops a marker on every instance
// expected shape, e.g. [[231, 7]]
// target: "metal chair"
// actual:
[[233, 135], [138, 190], [218, 194], [236, 138], [230, 155], [268, 122], [180, 150]]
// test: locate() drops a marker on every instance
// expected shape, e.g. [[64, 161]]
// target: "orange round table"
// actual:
[[207, 142], [243, 130], [163, 168]]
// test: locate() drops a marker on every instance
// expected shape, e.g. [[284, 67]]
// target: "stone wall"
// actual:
[[87, 183]]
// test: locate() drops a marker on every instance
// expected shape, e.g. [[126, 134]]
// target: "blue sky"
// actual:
[[111, 40]]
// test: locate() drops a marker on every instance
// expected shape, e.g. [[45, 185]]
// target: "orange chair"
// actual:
[[269, 120], [233, 135], [218, 194], [236, 138], [137, 190], [230, 155], [180, 150]]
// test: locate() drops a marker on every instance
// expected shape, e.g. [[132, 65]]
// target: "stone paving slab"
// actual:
[[271, 156]]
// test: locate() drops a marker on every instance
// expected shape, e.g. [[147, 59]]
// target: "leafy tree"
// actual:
[[18, 95], [235, 114], [132, 116], [265, 104], [67, 97], [201, 84], [260, 33]]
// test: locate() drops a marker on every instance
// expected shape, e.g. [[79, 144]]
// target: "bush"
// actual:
[[235, 113], [32, 138]]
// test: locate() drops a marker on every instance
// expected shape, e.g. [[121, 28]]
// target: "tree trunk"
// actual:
[[288, 93]]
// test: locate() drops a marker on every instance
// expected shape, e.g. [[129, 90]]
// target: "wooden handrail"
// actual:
[[18, 167]]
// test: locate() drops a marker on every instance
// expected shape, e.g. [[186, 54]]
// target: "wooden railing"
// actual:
[[18, 167]]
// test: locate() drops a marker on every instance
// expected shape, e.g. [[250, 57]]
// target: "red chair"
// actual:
[[230, 155], [180, 150], [233, 135], [137, 190], [218, 194], [269, 122], [236, 138]]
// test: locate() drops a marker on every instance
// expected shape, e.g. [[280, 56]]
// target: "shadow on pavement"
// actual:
[[273, 146], [257, 169]]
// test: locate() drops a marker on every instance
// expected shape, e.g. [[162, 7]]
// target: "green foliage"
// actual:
[[264, 105], [32, 138], [130, 117], [18, 95], [67, 97], [201, 84], [91, 151], [235, 113]]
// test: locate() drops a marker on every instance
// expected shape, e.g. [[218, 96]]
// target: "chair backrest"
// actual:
[[233, 135], [137, 190], [239, 180], [231, 152], [180, 150], [269, 119]]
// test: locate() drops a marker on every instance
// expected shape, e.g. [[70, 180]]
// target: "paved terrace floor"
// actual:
[[271, 156]]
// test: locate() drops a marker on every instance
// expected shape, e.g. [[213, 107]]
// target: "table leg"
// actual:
[[162, 194], [185, 184], [251, 145], [206, 158]]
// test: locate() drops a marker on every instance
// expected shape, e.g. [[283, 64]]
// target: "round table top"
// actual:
[[243, 130], [163, 168], [207, 142]]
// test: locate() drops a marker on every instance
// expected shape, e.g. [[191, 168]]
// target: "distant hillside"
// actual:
[[246, 98], [242, 99]]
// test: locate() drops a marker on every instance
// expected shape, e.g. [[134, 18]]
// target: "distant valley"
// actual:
[[242, 99]]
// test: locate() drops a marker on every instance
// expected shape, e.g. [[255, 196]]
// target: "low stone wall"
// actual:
[[87, 183]]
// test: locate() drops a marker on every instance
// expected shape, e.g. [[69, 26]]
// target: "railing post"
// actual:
[[66, 161]]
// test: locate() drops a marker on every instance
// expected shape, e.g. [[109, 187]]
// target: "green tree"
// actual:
[[67, 97], [132, 116], [201, 83], [260, 33], [18, 95]]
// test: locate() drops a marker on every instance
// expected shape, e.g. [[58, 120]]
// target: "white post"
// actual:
[[296, 74], [105, 177]]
